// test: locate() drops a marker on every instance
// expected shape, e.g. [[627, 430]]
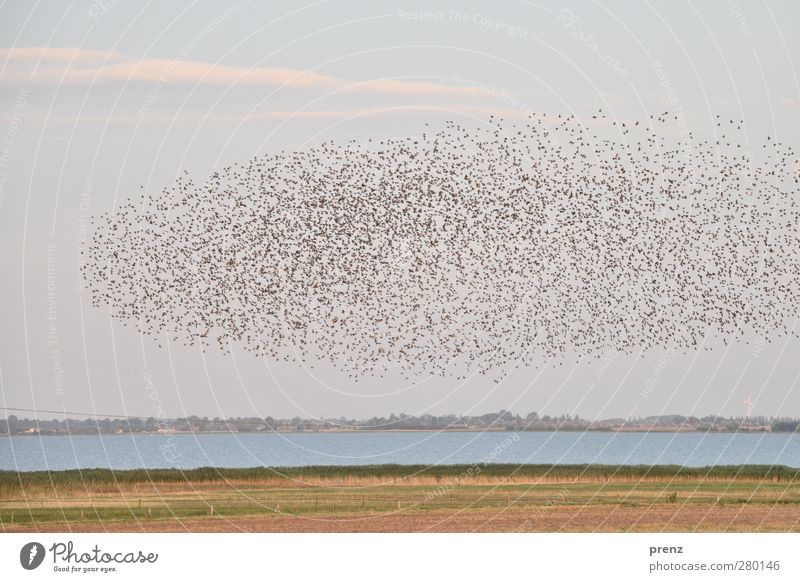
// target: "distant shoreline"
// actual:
[[666, 430], [501, 421]]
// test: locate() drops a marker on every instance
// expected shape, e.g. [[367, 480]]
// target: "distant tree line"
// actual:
[[501, 420]]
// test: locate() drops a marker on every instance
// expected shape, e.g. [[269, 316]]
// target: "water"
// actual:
[[188, 451]]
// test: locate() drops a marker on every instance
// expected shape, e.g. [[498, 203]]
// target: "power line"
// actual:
[[39, 410]]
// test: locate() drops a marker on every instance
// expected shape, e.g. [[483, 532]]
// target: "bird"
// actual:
[[463, 250]]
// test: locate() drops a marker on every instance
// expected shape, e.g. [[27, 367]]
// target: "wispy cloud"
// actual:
[[167, 71], [480, 113], [274, 115], [45, 54], [79, 66]]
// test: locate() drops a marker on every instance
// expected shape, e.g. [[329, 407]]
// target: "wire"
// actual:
[[73, 413]]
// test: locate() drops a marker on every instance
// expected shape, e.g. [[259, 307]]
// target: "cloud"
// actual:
[[79, 66], [273, 115], [166, 71], [396, 87], [479, 113], [45, 54]]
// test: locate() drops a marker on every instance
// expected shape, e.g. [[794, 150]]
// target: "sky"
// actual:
[[102, 100]]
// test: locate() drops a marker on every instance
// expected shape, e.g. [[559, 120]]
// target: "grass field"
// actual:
[[406, 498]]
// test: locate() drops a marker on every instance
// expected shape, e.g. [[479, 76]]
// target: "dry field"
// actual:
[[489, 498]]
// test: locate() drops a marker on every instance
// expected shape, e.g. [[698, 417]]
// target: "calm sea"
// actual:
[[187, 451]]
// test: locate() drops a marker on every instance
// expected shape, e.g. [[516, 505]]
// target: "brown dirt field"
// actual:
[[608, 518]]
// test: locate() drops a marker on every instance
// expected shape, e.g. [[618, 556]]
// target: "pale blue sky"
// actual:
[[98, 99]]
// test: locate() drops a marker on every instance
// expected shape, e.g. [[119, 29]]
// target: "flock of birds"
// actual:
[[467, 249]]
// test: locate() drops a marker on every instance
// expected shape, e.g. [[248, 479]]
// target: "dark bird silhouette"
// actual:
[[464, 249]]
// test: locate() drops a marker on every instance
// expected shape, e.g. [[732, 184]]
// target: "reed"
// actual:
[[11, 481]]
